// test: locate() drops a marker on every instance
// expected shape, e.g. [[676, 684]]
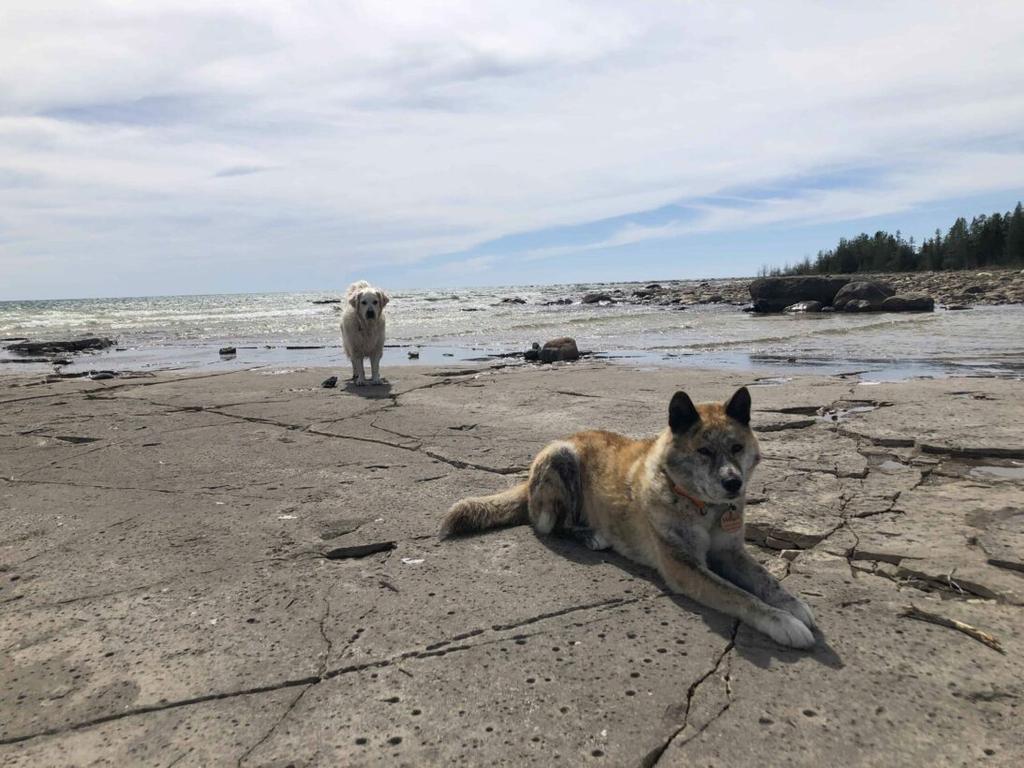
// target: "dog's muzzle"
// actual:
[[732, 485], [370, 314]]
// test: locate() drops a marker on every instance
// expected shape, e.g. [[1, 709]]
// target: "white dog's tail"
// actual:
[[483, 512]]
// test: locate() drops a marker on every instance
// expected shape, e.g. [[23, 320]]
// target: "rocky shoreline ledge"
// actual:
[[966, 288], [242, 569]]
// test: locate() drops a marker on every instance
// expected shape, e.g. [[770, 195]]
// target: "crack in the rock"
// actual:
[[111, 387], [417, 448], [615, 601], [438, 649], [652, 758], [99, 486], [326, 655], [161, 707], [782, 426], [273, 728]]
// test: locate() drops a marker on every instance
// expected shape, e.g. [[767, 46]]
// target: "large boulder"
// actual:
[[563, 348], [862, 296], [49, 347], [774, 294], [909, 302], [597, 298]]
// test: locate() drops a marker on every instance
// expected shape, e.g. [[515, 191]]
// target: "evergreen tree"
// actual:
[[1013, 252], [996, 240]]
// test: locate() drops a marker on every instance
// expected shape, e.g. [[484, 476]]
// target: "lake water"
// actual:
[[185, 332]]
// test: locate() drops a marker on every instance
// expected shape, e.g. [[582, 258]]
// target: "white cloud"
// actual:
[[136, 135]]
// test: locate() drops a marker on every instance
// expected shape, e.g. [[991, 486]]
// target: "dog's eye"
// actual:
[[706, 452], [736, 448]]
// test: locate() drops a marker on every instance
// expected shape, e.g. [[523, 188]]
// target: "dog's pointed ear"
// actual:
[[682, 414], [353, 299], [738, 406], [384, 299]]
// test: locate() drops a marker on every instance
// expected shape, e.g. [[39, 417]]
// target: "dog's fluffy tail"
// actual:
[[483, 512]]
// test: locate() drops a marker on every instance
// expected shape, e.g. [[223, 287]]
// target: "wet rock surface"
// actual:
[[242, 569], [89, 344], [563, 348], [774, 294]]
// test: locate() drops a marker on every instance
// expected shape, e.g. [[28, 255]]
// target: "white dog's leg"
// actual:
[[375, 369], [357, 366]]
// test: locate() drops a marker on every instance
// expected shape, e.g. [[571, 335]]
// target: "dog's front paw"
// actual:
[[360, 382], [801, 610], [379, 380], [787, 630]]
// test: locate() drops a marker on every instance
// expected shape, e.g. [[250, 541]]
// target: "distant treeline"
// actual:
[[988, 241]]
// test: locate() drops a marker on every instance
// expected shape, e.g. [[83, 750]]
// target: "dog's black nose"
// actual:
[[732, 484], [369, 314]]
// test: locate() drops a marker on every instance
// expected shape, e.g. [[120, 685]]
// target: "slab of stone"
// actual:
[[182, 500], [883, 685]]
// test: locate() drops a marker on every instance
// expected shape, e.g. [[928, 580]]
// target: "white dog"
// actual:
[[362, 330]]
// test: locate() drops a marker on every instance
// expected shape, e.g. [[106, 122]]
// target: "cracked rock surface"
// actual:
[[241, 569]]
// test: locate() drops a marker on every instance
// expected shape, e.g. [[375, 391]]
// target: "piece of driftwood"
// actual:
[[933, 618]]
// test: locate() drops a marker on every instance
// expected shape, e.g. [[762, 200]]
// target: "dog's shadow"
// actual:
[[748, 643], [369, 391]]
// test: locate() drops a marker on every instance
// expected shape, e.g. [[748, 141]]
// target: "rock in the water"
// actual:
[[909, 302], [102, 375], [558, 302], [563, 348], [597, 298], [774, 294], [326, 301], [414, 354], [533, 353], [513, 300], [863, 295], [48, 347], [804, 306], [227, 351]]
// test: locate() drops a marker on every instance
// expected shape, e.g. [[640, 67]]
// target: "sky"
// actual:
[[208, 146]]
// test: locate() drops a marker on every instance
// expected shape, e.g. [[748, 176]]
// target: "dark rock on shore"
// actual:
[[596, 298], [533, 353], [513, 300], [909, 302], [226, 351], [49, 347], [558, 302], [325, 301], [563, 348], [862, 296], [774, 294]]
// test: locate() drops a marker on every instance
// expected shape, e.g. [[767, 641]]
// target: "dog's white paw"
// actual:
[[379, 380], [787, 630], [800, 610], [360, 382]]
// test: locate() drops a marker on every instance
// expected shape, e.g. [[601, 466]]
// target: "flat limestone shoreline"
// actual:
[[241, 569]]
